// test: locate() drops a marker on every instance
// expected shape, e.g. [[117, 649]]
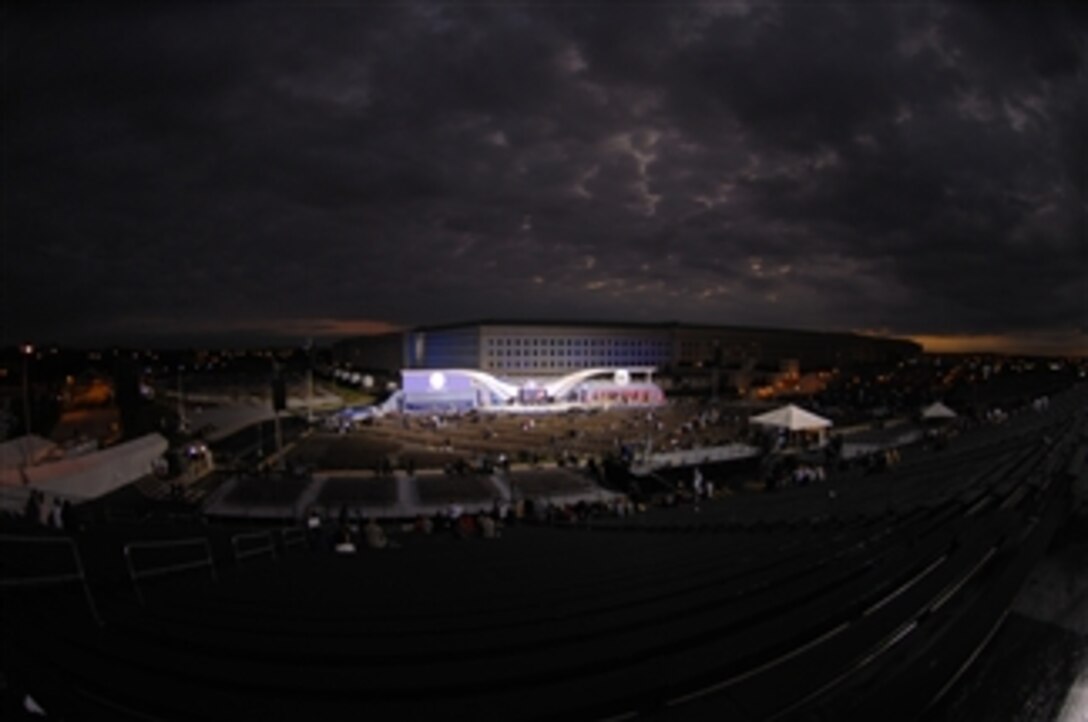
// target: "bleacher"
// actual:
[[260, 491], [443, 490], [784, 606], [355, 491], [541, 483]]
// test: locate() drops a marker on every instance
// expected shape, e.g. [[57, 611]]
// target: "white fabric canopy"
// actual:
[[91, 475], [793, 418], [938, 410], [24, 451]]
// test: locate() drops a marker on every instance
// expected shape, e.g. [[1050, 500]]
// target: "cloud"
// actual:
[[914, 167]]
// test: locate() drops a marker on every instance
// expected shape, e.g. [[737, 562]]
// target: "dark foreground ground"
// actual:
[[1028, 669]]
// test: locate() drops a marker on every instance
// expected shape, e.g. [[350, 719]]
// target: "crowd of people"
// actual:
[[349, 532], [566, 438], [346, 534]]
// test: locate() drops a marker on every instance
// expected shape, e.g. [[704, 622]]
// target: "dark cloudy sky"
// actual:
[[238, 173]]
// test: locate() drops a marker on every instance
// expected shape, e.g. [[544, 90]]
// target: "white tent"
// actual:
[[938, 410], [91, 475], [25, 451], [793, 418]]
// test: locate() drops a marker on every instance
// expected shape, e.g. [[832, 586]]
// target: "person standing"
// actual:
[[32, 513], [56, 515], [45, 513], [697, 487]]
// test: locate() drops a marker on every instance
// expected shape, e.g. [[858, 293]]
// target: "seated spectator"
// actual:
[[344, 544], [424, 525], [465, 526], [488, 527], [313, 528], [375, 536]]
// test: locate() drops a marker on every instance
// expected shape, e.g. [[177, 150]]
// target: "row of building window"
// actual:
[[526, 365], [642, 354], [578, 343]]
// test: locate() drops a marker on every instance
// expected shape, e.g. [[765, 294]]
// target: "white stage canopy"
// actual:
[[938, 411], [91, 475], [25, 451], [793, 418]]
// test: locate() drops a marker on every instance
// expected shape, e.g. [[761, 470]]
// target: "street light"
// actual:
[[183, 424], [27, 350]]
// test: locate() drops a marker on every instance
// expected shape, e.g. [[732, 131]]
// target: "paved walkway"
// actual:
[[426, 493]]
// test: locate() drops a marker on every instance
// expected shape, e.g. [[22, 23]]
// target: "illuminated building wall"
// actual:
[[534, 348], [553, 350]]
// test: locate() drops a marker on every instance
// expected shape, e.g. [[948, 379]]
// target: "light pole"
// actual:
[[183, 424], [310, 380], [279, 402], [27, 350]]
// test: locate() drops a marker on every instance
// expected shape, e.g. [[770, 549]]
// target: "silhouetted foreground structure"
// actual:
[[865, 606]]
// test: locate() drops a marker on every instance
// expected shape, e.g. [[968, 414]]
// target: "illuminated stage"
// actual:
[[460, 390]]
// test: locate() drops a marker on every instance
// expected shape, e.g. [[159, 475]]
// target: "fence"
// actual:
[[48, 579], [267, 547], [206, 560], [292, 537]]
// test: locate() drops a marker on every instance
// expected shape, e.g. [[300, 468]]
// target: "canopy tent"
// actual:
[[937, 411], [793, 418], [25, 451], [91, 475]]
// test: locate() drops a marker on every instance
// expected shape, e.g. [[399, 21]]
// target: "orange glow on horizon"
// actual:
[[334, 327], [321, 327], [1027, 344]]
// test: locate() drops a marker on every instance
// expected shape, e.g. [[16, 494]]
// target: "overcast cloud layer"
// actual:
[[241, 172]]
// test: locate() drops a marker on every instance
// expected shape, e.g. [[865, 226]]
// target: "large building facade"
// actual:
[[555, 348], [531, 349], [552, 348]]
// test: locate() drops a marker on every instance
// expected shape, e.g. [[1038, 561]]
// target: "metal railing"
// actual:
[[122, 516], [268, 547], [1078, 460], [13, 499], [292, 537], [48, 579], [206, 560]]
